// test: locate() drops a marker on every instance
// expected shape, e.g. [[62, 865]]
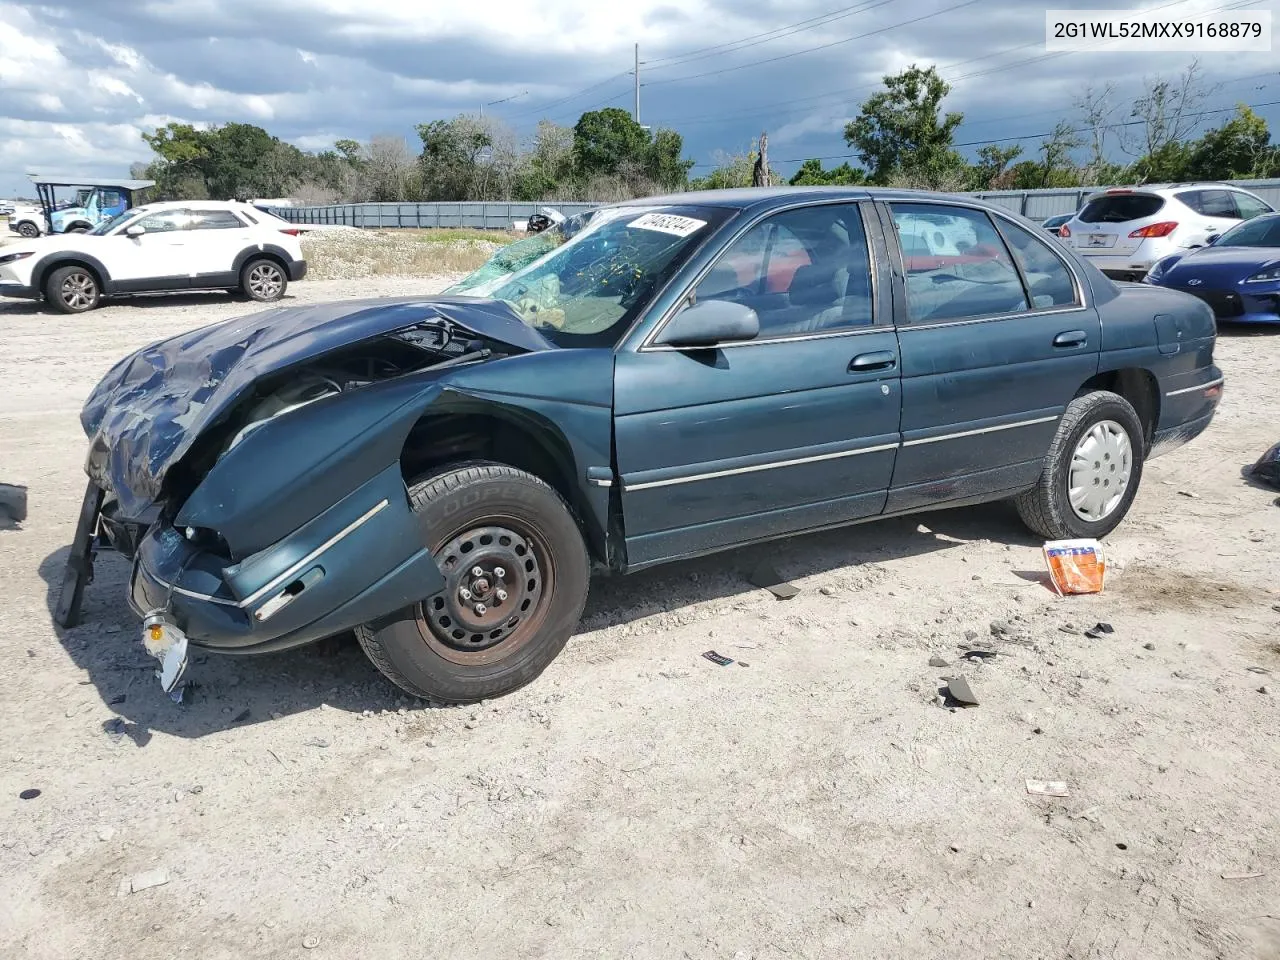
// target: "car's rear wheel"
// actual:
[[516, 577], [72, 290], [1091, 472], [263, 280], [28, 230], [78, 228]]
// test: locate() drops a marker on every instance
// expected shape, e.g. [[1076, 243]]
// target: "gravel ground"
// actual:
[[811, 800]]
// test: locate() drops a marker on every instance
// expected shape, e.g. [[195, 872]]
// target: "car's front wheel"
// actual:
[[28, 230], [516, 577], [1091, 472], [72, 290], [263, 280]]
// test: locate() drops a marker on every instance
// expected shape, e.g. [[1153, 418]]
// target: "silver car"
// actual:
[[1125, 230]]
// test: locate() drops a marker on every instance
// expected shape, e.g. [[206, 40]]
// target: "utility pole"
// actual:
[[637, 114]]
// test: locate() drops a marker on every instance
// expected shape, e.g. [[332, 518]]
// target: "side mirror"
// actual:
[[711, 322], [1212, 239], [136, 230]]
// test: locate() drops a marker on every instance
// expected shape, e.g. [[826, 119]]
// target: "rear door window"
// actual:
[[1249, 207], [1047, 276], [1211, 203], [1121, 208], [956, 264], [215, 220]]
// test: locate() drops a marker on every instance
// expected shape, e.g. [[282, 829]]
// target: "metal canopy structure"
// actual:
[[46, 184]]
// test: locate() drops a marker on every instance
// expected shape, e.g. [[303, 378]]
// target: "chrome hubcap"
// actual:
[[78, 290], [264, 280], [1101, 468]]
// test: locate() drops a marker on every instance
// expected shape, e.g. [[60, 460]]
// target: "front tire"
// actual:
[[28, 230], [263, 280], [1091, 472], [516, 572], [72, 290]]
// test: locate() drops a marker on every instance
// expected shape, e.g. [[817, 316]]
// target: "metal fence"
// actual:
[[1033, 204]]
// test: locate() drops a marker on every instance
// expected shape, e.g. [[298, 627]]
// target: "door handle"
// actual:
[[880, 360], [1071, 338]]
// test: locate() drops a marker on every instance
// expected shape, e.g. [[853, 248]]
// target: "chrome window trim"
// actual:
[[647, 345]]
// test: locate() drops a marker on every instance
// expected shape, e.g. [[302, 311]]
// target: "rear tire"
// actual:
[[1091, 472], [263, 280], [72, 290], [488, 632]]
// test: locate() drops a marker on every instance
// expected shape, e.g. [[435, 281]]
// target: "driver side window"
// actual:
[[165, 221], [805, 271]]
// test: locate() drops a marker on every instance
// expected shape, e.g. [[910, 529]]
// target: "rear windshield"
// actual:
[[1121, 208]]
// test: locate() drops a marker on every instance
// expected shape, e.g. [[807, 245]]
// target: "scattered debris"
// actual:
[[1122, 846], [310, 942], [766, 576], [828, 591], [30, 794], [1189, 494], [717, 658], [1267, 469], [13, 501], [1263, 670], [317, 742], [1243, 876], [998, 629], [1104, 628], [958, 688], [938, 662], [1075, 566], [1265, 690], [1148, 645], [145, 881], [980, 655], [1048, 788]]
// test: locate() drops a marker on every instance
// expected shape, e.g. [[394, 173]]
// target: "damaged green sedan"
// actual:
[[658, 380]]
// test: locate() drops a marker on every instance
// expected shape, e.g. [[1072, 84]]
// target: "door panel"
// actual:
[[154, 260], [730, 444], [982, 394]]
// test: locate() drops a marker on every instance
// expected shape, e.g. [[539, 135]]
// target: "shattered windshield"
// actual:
[[518, 255], [584, 290]]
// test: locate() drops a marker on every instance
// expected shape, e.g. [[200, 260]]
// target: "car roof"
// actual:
[[764, 198], [1169, 188]]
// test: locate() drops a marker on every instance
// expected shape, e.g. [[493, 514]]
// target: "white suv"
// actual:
[[1124, 231], [158, 248]]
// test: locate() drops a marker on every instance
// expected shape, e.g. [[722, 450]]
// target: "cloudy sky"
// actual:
[[81, 79]]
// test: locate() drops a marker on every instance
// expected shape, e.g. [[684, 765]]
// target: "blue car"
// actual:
[[1237, 274], [683, 375]]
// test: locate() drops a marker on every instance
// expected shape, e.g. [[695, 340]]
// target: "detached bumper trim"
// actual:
[[1199, 386]]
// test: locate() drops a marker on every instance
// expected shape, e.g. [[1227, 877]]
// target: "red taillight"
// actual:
[[291, 231], [1155, 230], [1064, 231]]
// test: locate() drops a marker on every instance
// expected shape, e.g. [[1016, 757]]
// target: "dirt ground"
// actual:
[[813, 799]]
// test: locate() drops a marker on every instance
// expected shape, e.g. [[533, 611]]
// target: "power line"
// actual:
[[776, 34], [1034, 136], [824, 46]]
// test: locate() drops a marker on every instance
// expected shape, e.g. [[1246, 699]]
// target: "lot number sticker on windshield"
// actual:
[[668, 223]]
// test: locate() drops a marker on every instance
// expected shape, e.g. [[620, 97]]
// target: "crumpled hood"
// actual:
[[149, 409]]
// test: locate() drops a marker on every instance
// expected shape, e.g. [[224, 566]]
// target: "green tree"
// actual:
[[665, 164], [901, 132], [811, 174], [991, 172], [606, 140], [451, 154], [1240, 149]]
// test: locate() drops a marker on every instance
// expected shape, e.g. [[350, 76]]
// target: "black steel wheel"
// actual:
[[516, 576]]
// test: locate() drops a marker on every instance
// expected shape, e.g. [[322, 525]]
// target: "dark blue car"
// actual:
[[1237, 274], [672, 377]]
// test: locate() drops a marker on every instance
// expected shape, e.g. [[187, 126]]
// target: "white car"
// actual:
[[1124, 231], [27, 220], [158, 248]]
